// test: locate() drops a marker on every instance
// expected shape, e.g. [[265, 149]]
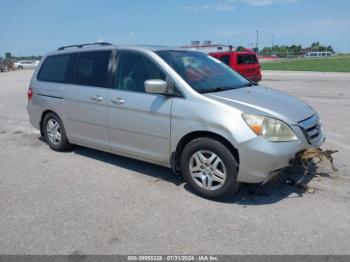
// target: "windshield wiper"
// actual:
[[218, 89], [250, 84]]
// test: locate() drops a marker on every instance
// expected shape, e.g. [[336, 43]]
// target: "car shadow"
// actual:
[[290, 183], [158, 172]]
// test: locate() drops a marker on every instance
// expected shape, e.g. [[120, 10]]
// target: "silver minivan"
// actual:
[[172, 107]]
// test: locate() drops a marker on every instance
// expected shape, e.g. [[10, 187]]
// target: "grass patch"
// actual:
[[329, 64]]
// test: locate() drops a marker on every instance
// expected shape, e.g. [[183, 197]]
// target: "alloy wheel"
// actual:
[[53, 130], [207, 170]]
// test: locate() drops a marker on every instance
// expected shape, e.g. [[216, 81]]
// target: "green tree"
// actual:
[[8, 55], [240, 49], [330, 49], [315, 45]]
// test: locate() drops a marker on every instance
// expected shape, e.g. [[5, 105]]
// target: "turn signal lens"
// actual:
[[254, 122], [257, 129]]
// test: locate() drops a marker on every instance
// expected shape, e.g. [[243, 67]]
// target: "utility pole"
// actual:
[[272, 42], [257, 39]]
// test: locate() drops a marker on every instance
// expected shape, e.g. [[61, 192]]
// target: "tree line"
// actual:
[[9, 56], [278, 50], [293, 50]]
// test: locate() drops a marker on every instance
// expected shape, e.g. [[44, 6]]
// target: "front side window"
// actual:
[[54, 68], [92, 68], [202, 72], [133, 70]]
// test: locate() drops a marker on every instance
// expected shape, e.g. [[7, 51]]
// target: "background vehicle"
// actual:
[[172, 107], [26, 64], [246, 63], [318, 54], [3, 66]]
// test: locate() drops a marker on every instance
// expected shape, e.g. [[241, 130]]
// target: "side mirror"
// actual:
[[156, 86]]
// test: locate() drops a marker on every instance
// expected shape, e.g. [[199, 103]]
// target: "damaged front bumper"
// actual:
[[261, 160], [303, 158]]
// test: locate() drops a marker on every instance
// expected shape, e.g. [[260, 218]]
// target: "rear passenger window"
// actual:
[[54, 68], [92, 68]]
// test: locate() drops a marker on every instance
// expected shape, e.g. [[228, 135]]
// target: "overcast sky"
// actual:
[[38, 26]]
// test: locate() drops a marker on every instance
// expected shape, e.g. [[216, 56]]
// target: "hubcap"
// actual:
[[207, 170], [53, 131]]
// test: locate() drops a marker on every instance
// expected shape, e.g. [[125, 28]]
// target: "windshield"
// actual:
[[202, 72]]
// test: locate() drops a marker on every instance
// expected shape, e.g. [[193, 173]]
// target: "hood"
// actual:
[[265, 101]]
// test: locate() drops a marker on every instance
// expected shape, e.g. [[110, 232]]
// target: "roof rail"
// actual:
[[82, 45]]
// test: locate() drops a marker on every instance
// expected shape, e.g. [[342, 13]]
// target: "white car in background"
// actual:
[[318, 54], [26, 64]]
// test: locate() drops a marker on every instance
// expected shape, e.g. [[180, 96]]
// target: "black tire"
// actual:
[[63, 144], [20, 67], [230, 186]]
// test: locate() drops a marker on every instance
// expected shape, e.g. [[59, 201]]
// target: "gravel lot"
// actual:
[[90, 202]]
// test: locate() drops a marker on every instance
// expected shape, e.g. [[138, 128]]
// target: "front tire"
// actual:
[[209, 168], [54, 133]]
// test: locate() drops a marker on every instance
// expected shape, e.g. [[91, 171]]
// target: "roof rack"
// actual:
[[82, 45]]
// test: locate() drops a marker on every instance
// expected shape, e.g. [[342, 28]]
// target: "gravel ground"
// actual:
[[89, 202]]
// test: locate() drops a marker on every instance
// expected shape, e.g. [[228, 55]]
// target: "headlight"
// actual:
[[272, 129]]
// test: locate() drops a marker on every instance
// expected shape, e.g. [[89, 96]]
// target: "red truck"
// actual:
[[245, 63]]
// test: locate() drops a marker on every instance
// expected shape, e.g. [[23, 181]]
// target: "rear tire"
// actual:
[[55, 134], [209, 168]]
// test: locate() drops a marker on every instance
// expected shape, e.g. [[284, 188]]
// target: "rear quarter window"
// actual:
[[54, 68]]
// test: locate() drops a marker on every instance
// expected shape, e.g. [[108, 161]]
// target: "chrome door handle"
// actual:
[[118, 101], [96, 98]]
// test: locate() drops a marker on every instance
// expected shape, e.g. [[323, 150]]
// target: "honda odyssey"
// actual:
[[181, 109]]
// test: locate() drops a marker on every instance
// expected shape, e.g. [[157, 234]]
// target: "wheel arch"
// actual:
[[44, 113], [175, 156]]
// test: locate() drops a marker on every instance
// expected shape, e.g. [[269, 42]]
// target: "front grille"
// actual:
[[311, 128]]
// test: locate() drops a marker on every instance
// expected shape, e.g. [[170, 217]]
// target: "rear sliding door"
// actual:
[[86, 97]]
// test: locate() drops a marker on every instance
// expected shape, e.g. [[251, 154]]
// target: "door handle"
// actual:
[[118, 101], [96, 98]]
